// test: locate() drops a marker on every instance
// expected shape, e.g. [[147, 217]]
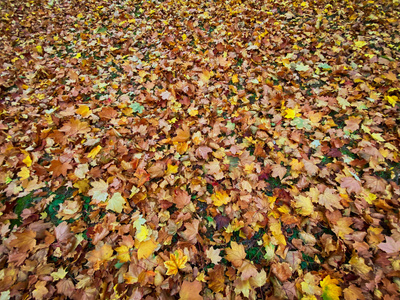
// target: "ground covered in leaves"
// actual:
[[199, 149]]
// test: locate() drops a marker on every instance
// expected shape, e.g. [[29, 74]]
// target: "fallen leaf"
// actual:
[[235, 254], [190, 290]]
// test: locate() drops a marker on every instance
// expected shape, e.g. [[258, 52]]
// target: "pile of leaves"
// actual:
[[200, 149]]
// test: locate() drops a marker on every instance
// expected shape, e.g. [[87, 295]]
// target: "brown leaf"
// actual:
[[192, 229], [235, 254], [216, 280], [375, 184], [181, 198], [282, 271], [108, 113], [330, 200], [351, 184], [182, 135], [310, 167], [190, 290], [59, 168], [25, 241], [278, 171], [203, 151]]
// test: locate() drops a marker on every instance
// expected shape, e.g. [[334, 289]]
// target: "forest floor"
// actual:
[[200, 149]]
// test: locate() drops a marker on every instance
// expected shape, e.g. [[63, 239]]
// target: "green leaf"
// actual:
[[325, 66], [101, 30], [301, 123], [343, 102], [137, 108], [302, 68]]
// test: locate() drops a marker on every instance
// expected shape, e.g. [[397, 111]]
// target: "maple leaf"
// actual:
[[181, 198], [142, 233], [116, 203], [99, 256], [213, 255], [24, 173], [235, 254], [124, 254], [60, 274], [190, 290], [182, 135], [84, 111], [304, 205], [108, 113], [74, 127], [310, 285], [330, 199], [282, 271], [92, 154], [146, 248], [278, 171], [358, 264], [25, 241], [220, 198], [192, 229], [351, 184], [391, 246], [216, 279], [172, 169], [27, 160], [176, 261], [40, 290], [59, 168], [330, 289], [99, 191]]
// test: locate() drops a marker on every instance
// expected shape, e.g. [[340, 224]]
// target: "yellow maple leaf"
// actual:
[[392, 100], [84, 111], [360, 44], [24, 173], [235, 78], [172, 169], [176, 261], [304, 205], [290, 113], [39, 49], [116, 203], [330, 288], [123, 253], [94, 152], [184, 37], [377, 137], [142, 233], [27, 160], [146, 248], [220, 198], [60, 274]]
